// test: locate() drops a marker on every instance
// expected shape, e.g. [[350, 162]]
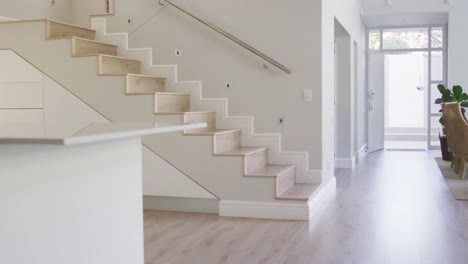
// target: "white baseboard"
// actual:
[[327, 191], [265, 210], [362, 152], [181, 204], [345, 163], [279, 210]]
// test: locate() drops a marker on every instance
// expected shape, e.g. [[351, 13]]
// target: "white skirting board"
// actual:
[[362, 152], [345, 163], [279, 210], [181, 204]]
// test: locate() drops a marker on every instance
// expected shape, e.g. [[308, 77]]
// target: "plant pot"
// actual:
[[446, 155]]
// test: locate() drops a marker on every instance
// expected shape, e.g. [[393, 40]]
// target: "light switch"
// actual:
[[307, 95]]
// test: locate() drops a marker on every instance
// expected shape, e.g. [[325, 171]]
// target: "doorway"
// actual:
[[344, 98], [405, 65]]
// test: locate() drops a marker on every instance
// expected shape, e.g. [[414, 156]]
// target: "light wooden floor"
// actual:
[[393, 208]]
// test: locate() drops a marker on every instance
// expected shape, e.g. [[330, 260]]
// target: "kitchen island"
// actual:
[[74, 198]]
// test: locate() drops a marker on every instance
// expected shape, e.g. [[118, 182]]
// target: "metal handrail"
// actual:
[[229, 36]]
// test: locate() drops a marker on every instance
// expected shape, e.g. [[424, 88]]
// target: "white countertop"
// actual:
[[92, 133]]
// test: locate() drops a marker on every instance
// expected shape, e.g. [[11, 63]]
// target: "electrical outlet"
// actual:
[[281, 121], [228, 85], [178, 52], [52, 3]]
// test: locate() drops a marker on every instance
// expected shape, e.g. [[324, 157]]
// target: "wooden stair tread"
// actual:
[[142, 76], [168, 93], [119, 58], [70, 25], [110, 65], [299, 192], [213, 133], [93, 41], [243, 151], [182, 113], [271, 170], [83, 47], [200, 112], [139, 84], [61, 30]]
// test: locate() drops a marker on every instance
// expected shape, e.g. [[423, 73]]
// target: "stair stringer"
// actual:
[[218, 105]]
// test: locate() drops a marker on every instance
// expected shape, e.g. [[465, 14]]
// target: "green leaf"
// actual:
[[448, 98], [463, 97], [457, 91], [441, 88], [439, 101]]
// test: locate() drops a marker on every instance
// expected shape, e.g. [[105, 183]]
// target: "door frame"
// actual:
[[429, 50]]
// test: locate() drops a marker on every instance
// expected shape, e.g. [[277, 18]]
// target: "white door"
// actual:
[[376, 130]]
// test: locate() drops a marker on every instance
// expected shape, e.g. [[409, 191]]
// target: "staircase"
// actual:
[[228, 146]]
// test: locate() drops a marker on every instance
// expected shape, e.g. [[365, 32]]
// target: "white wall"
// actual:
[[458, 41], [289, 33], [81, 9], [347, 14], [137, 11], [37, 9]]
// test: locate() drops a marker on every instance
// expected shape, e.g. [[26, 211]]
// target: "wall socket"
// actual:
[[228, 85], [52, 3], [178, 52], [281, 120]]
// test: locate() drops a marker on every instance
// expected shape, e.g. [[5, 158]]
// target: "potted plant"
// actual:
[[448, 96]]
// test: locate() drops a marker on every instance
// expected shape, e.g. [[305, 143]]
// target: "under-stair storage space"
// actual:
[[85, 47], [112, 65], [142, 84], [171, 103], [59, 30]]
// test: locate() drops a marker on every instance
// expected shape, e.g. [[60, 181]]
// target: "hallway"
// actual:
[[394, 208]]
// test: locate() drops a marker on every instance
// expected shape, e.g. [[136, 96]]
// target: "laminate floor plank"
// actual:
[[393, 208]]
